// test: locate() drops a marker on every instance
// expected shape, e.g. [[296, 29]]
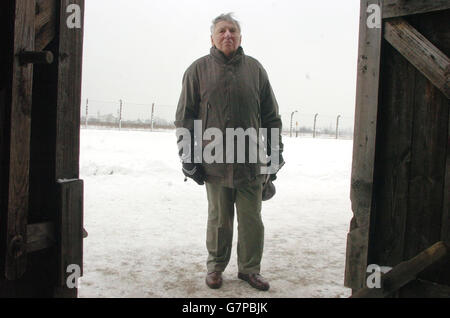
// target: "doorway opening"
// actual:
[[147, 227]]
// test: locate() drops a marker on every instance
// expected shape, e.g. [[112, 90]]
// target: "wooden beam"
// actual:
[[45, 23], [40, 236], [405, 272], [43, 235], [67, 151], [20, 135], [398, 8], [6, 58], [45, 13], [445, 235], [69, 94], [36, 57], [70, 230], [420, 52], [363, 149]]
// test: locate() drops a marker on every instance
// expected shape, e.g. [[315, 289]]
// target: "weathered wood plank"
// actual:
[[6, 56], [45, 12], [445, 235], [45, 37], [20, 132], [45, 23], [69, 95], [445, 47], [69, 62], [393, 158], [363, 149], [39, 279], [40, 236], [427, 173], [397, 8], [36, 57], [34, 283], [420, 52], [405, 272], [70, 227]]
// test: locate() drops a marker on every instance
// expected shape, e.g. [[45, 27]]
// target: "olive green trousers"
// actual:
[[219, 236]]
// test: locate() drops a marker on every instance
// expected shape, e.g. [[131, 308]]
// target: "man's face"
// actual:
[[226, 37]]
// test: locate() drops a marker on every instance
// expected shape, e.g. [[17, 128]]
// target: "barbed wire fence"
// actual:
[[316, 125], [122, 114], [125, 115]]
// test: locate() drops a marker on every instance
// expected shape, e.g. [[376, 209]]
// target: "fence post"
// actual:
[[315, 121], [120, 116], [153, 112], [87, 112], [292, 115], [337, 126]]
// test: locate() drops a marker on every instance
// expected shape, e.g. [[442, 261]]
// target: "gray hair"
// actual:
[[225, 17]]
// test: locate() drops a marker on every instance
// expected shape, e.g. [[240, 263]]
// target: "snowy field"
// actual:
[[147, 228]]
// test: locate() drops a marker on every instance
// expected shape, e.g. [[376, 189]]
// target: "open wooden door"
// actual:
[[401, 156], [41, 196]]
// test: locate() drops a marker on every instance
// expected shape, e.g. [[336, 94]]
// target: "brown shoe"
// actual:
[[255, 280], [214, 280]]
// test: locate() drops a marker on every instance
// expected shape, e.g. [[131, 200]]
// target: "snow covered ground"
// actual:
[[147, 227]]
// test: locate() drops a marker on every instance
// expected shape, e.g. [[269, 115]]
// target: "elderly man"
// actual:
[[229, 90]]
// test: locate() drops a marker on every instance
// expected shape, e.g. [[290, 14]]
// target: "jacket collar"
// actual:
[[222, 59]]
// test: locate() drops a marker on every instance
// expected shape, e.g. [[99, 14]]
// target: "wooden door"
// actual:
[[41, 200], [400, 174]]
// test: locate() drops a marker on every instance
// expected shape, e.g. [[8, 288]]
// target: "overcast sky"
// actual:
[[138, 50]]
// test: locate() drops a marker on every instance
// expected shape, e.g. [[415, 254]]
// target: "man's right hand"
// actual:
[[273, 175], [195, 172]]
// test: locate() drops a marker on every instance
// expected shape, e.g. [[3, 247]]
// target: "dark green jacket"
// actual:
[[228, 93]]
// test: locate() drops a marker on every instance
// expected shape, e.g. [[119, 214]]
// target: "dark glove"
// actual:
[[195, 172], [273, 176]]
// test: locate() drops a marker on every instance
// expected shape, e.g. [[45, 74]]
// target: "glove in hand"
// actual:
[[273, 176], [195, 172]]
